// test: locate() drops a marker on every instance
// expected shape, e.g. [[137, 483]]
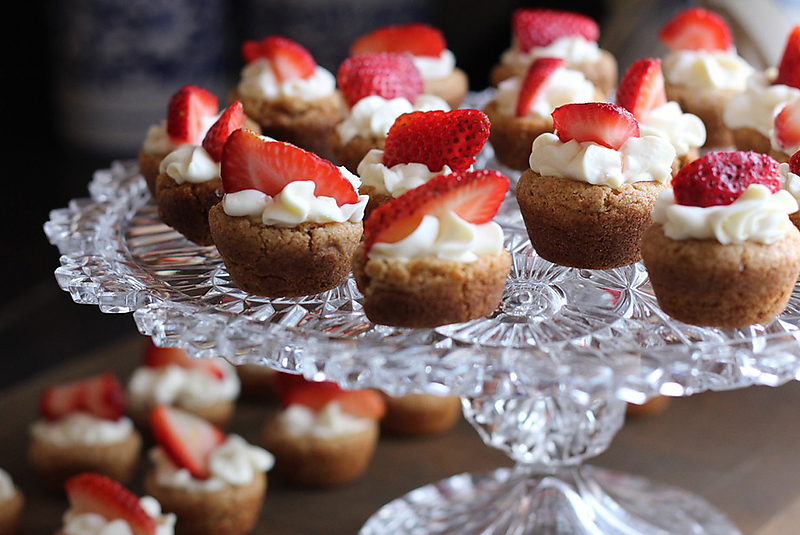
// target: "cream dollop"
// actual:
[[789, 181], [82, 429], [702, 69], [397, 179], [574, 49], [234, 462], [777, 146], [449, 238], [189, 163], [331, 421], [564, 86], [157, 141], [757, 106], [684, 131], [435, 67], [7, 489], [258, 81], [95, 524], [639, 159], [188, 388], [374, 115], [758, 215]]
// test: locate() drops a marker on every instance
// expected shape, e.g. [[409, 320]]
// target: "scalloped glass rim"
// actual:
[[625, 343]]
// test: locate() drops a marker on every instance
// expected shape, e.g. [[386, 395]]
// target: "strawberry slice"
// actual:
[[789, 67], [250, 161], [384, 74], [697, 29], [599, 122], [787, 124], [102, 396], [187, 439], [415, 39], [538, 73], [437, 138], [186, 110], [289, 60], [534, 28], [719, 178], [641, 89], [231, 119], [474, 196], [794, 163], [160, 357], [101, 495]]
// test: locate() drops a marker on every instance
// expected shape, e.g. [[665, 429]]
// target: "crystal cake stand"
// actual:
[[545, 378]]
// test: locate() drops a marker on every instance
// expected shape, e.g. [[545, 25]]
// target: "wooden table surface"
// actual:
[[739, 450]]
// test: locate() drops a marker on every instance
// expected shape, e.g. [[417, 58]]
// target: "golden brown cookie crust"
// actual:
[[512, 137], [284, 262], [313, 461], [703, 282], [709, 105], [185, 207], [11, 513], [218, 413], [231, 510], [420, 414], [351, 153], [306, 124], [747, 138], [149, 163], [429, 291], [576, 224], [452, 88], [375, 199], [258, 381], [54, 464]]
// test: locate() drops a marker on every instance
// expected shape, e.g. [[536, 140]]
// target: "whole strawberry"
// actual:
[[719, 178], [384, 74], [540, 27], [437, 138]]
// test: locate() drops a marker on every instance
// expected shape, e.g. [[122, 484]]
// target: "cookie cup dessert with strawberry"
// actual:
[[722, 251], [322, 435], [291, 97], [420, 414], [12, 505], [289, 221], [521, 109], [429, 52], [207, 387], [377, 89], [702, 69], [550, 33], [83, 428], [213, 483], [99, 504], [587, 196], [641, 92], [789, 174], [433, 256], [421, 145]]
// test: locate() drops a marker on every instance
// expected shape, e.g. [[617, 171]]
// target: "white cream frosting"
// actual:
[[189, 163], [700, 69], [375, 115], [757, 106], [331, 421], [82, 429], [778, 146], [639, 159], [7, 489], [573, 49], [789, 181], [435, 67], [449, 238], [184, 387], [684, 130], [234, 462], [564, 86], [157, 141], [397, 179], [258, 81], [95, 524], [758, 215]]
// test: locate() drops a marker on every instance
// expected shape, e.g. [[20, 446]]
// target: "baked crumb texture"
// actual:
[[708, 104], [284, 262], [11, 513], [351, 153], [581, 225], [452, 88], [705, 283], [185, 207], [420, 414], [375, 199], [512, 137], [747, 138], [149, 163], [428, 291]]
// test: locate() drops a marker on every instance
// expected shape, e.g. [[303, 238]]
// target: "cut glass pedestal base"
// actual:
[[578, 501]]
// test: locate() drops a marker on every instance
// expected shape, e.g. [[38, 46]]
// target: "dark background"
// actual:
[[39, 323]]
